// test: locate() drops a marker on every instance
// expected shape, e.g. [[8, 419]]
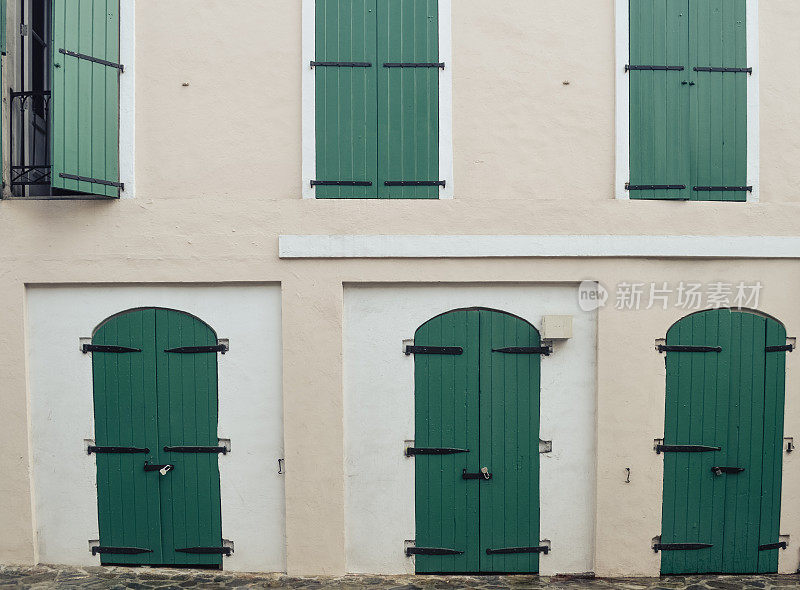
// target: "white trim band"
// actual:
[[557, 246]]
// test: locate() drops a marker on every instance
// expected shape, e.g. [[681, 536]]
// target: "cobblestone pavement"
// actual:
[[118, 578]]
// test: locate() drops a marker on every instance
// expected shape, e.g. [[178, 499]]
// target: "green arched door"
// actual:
[[723, 439], [155, 409], [477, 374]]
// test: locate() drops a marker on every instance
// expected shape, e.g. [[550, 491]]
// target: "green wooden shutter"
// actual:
[[733, 400], [126, 413], [718, 39], [3, 17], [408, 98], [3, 11], [84, 107], [187, 410], [659, 101], [346, 98]]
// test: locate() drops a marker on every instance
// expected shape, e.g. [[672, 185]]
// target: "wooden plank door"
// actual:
[[485, 402], [125, 414], [730, 398]]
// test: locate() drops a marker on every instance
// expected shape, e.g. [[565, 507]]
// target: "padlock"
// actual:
[[166, 469], [485, 471]]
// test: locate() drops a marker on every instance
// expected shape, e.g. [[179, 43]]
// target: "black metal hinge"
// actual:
[[731, 470], [434, 350], [116, 450], [685, 449], [431, 551], [411, 451], [687, 348], [120, 550], [723, 188], [92, 180], [197, 349], [340, 183], [780, 348], [733, 70], [207, 550], [441, 183], [96, 60], [406, 64], [107, 348], [629, 68], [196, 449], [768, 546], [680, 546], [341, 64], [653, 187], [543, 350], [510, 550]]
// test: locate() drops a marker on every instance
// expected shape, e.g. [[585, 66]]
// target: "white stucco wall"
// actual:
[[250, 414], [379, 417]]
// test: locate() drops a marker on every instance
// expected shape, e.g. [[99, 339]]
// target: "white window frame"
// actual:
[[309, 127], [622, 173]]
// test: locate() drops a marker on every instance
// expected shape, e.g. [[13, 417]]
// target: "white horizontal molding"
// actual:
[[519, 246]]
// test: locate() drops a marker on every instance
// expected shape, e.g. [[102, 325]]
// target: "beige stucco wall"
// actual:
[[218, 179]]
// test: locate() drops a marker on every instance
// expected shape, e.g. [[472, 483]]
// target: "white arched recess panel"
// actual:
[[379, 417], [250, 414]]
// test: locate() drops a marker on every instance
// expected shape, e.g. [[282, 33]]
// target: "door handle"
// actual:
[[162, 469], [721, 470]]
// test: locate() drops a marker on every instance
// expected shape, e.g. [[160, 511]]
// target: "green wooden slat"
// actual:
[[346, 98], [659, 103], [187, 395], [408, 98], [85, 95], [3, 16], [774, 388], [125, 415], [719, 100]]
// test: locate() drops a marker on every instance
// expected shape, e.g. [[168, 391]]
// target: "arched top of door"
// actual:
[[708, 312], [500, 311], [126, 312]]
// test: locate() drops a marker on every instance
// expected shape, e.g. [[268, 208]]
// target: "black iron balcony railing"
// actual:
[[29, 140]]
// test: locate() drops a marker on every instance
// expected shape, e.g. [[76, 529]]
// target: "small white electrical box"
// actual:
[[557, 327]]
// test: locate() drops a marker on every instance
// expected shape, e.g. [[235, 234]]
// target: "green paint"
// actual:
[[733, 400], [688, 127], [84, 106], [153, 399], [487, 402], [377, 124]]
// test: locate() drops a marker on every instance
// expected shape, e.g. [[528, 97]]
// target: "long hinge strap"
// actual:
[[441, 183], [434, 350], [411, 451], [768, 546], [723, 188], [197, 349], [544, 350], [206, 550], [780, 348], [96, 60], [92, 180], [653, 187], [120, 550], [685, 449], [687, 348], [341, 64], [680, 546], [117, 450], [732, 70], [406, 64], [340, 183], [108, 348], [196, 449], [510, 550], [629, 68], [431, 551]]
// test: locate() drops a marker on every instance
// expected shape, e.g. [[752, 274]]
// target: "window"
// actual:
[[690, 94], [64, 101], [378, 72]]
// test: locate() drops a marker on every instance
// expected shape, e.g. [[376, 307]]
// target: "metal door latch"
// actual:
[[162, 469], [483, 474], [721, 470]]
